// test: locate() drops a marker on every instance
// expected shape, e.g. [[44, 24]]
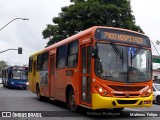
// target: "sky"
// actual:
[[25, 33], [28, 34], [148, 18]]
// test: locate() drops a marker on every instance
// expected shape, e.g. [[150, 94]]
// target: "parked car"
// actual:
[[156, 93]]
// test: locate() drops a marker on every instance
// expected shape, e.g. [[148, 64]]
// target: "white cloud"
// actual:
[[147, 16]]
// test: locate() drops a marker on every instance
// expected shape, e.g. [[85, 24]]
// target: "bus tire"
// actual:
[[158, 100], [71, 101], [39, 97]]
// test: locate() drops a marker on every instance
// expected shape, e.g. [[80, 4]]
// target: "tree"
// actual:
[[3, 64], [83, 14]]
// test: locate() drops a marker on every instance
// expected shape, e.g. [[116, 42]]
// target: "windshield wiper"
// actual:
[[117, 51]]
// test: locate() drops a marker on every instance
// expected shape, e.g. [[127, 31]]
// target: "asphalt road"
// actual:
[[23, 103]]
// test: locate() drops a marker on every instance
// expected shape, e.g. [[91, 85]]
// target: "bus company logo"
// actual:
[[127, 95], [6, 114]]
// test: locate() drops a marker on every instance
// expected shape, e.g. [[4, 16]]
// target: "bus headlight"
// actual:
[[27, 83], [146, 93], [12, 82], [102, 91]]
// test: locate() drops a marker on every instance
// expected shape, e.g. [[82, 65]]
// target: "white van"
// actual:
[[156, 93]]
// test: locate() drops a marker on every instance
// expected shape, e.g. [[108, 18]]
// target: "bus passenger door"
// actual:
[[52, 76], [34, 76], [86, 74]]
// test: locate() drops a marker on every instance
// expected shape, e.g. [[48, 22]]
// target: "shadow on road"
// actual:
[[92, 114]]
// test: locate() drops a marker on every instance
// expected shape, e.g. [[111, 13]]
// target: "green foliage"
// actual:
[[3, 65], [83, 14]]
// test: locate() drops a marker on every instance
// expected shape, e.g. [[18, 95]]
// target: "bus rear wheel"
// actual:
[[71, 101], [39, 97]]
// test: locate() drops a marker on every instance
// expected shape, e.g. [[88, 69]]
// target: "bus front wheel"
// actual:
[[71, 101]]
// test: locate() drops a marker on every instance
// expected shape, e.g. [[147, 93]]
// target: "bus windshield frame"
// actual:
[[19, 73], [128, 63]]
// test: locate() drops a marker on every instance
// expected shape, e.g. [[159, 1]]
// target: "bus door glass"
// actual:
[[52, 76], [34, 75], [86, 73]]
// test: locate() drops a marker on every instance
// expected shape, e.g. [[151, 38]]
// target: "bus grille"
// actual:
[[124, 95], [126, 88], [126, 101]]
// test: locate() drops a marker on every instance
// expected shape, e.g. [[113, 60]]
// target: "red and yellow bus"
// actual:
[[98, 68]]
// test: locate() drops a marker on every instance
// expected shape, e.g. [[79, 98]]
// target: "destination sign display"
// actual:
[[19, 68], [122, 36]]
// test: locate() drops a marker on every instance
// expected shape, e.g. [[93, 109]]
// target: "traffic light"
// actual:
[[19, 50]]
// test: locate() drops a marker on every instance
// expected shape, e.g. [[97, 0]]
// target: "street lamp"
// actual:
[[12, 21], [19, 50]]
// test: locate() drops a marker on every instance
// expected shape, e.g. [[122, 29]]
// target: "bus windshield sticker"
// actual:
[[131, 51]]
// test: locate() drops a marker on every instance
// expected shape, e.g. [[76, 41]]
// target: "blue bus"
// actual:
[[15, 77]]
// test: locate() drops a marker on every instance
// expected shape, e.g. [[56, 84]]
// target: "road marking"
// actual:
[[132, 109]]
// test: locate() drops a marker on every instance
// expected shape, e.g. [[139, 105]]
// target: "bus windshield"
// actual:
[[122, 63], [19, 74]]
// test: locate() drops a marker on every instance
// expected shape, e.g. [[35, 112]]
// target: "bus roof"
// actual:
[[89, 31]]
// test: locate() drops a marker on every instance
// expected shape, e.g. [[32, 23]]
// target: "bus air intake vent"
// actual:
[[124, 95], [126, 101]]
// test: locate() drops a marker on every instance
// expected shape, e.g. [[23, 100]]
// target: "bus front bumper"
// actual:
[[13, 84], [100, 102]]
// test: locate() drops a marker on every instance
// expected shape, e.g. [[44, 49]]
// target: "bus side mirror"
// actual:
[[94, 52]]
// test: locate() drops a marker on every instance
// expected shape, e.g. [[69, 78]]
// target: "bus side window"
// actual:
[[30, 64], [61, 57], [45, 61], [39, 62], [72, 58]]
